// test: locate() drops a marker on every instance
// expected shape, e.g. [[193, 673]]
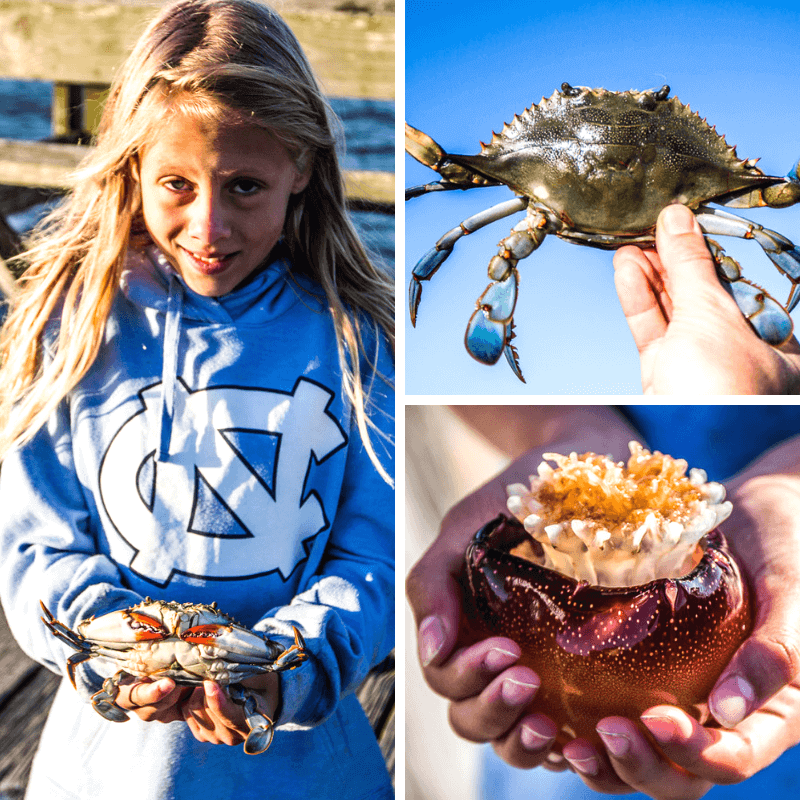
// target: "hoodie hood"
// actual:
[[150, 281]]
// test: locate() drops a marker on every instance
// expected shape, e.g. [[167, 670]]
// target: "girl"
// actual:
[[197, 406]]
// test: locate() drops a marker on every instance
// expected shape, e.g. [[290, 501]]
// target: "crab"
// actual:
[[595, 167], [187, 642]]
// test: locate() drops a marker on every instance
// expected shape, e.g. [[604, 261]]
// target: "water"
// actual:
[[369, 137]]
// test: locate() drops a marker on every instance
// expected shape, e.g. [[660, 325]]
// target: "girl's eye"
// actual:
[[245, 186], [177, 185]]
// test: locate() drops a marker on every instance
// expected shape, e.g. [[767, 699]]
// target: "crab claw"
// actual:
[[260, 738], [764, 313], [424, 271], [262, 729], [491, 328], [104, 702]]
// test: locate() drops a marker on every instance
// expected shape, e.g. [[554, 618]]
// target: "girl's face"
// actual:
[[214, 197]]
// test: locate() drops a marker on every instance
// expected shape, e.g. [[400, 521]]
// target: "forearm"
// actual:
[[782, 459]]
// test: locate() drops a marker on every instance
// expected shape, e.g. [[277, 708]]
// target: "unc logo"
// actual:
[[231, 501]]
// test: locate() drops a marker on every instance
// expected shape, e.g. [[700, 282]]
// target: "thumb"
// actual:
[[763, 665], [149, 693], [683, 252]]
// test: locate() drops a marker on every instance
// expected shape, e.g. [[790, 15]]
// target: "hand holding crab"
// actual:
[[690, 334], [595, 168], [213, 717], [190, 645]]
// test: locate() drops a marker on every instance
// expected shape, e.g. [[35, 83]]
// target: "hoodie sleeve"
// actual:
[[48, 551], [347, 609]]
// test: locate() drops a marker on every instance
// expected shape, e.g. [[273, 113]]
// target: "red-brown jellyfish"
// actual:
[[618, 587]]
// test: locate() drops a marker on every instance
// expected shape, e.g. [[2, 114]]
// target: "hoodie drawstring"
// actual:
[[169, 369]]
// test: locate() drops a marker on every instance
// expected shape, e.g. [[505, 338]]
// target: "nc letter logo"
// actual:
[[229, 501]]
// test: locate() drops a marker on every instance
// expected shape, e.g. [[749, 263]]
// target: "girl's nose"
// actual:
[[208, 222]]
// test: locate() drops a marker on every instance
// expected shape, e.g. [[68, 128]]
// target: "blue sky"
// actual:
[[469, 70]]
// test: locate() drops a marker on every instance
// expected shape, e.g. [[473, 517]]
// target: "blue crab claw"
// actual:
[[259, 739], [105, 706], [491, 328], [485, 339], [104, 701], [423, 271], [764, 313], [262, 729]]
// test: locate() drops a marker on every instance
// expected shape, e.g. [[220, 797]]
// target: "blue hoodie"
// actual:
[[209, 455]]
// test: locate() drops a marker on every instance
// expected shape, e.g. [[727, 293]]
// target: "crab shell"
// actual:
[[184, 641], [603, 651], [608, 162]]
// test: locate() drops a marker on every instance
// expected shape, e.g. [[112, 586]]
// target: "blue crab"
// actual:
[[188, 642], [595, 167]]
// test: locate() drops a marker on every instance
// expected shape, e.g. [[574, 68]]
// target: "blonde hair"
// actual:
[[206, 56]]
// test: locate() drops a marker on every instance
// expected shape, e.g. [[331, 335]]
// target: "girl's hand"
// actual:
[[756, 699], [152, 701], [691, 336], [213, 717]]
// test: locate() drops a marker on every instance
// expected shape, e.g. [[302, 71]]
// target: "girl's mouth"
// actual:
[[209, 265]]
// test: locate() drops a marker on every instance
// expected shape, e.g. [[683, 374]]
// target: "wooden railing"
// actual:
[[78, 45]]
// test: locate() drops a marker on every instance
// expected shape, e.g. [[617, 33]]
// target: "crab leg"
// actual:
[[428, 152], [431, 261], [781, 251], [491, 327], [767, 316]]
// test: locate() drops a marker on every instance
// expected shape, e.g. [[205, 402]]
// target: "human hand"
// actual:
[[488, 690], [756, 699], [152, 701], [213, 717], [690, 334]]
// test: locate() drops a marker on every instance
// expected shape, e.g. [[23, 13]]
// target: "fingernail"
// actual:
[[677, 219], [662, 728], [431, 639], [497, 659], [588, 766], [515, 693], [534, 740], [730, 703], [616, 742]]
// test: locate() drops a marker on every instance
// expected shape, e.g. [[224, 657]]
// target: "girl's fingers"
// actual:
[[194, 713], [142, 694], [491, 714], [472, 669], [226, 717], [642, 767]]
